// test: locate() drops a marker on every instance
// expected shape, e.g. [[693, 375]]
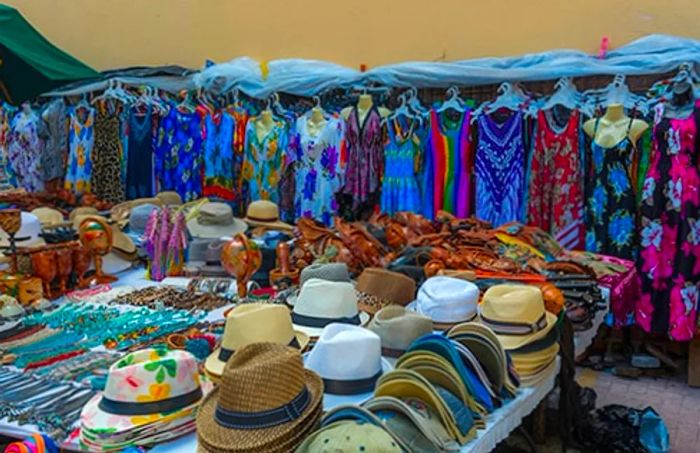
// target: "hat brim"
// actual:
[[276, 225], [215, 367], [218, 438], [199, 230], [537, 377], [316, 331], [97, 421], [439, 325], [510, 342]]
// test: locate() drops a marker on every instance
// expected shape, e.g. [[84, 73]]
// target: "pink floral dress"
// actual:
[[670, 231]]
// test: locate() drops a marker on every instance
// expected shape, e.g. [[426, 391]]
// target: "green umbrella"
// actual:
[[29, 64]]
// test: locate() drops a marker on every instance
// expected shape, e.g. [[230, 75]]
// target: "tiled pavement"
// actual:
[[678, 404]]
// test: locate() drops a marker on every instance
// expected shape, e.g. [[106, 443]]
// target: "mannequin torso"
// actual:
[[613, 127], [264, 125], [316, 122], [364, 105]]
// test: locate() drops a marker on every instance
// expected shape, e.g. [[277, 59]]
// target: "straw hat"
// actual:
[[263, 213], [82, 210], [516, 314], [350, 435], [215, 220], [447, 301], [266, 402], [321, 302], [378, 287], [253, 323], [398, 328], [169, 198], [49, 217], [334, 272]]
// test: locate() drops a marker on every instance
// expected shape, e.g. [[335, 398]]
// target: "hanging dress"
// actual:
[[400, 191], [364, 147], [611, 205], [500, 169], [670, 231], [25, 149], [218, 156], [81, 140], [318, 170], [7, 175], [264, 161], [448, 162], [55, 136], [555, 201], [139, 167], [107, 158], [240, 118]]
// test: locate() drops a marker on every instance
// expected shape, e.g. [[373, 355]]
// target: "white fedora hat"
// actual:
[[322, 302], [447, 301], [349, 360]]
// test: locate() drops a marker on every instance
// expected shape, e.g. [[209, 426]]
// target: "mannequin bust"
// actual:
[[364, 105], [682, 100], [264, 124], [316, 122], [613, 126]]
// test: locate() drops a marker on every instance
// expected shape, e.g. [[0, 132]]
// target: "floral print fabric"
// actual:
[[611, 207], [178, 154], [318, 169], [218, 156], [7, 176], [670, 231], [25, 150], [81, 140], [556, 189], [264, 161]]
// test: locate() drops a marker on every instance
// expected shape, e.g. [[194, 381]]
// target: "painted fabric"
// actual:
[[670, 231], [139, 167], [240, 118], [7, 175], [107, 158], [25, 150], [55, 136], [555, 201], [446, 177], [500, 169], [178, 154], [400, 190], [264, 161], [318, 170], [81, 139], [364, 144], [611, 206], [218, 156]]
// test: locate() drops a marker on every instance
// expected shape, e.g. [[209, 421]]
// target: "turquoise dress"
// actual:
[[400, 190]]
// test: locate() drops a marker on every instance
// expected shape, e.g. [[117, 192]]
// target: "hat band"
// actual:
[[314, 321], [515, 328], [350, 387], [260, 219], [393, 353], [225, 354], [167, 405], [264, 419]]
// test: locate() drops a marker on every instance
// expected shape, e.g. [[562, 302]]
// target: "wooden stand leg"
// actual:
[[694, 363]]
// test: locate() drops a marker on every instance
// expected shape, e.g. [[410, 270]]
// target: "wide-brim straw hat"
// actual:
[[49, 217], [258, 380], [263, 213], [215, 220]]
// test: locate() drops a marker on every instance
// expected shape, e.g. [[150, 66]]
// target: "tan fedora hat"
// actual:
[[263, 213], [82, 210], [378, 287], [215, 220], [398, 328], [266, 402], [253, 323], [169, 198], [49, 217]]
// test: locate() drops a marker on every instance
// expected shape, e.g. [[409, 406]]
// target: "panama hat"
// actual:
[[49, 217], [169, 198], [215, 220], [351, 412], [447, 301], [333, 272], [322, 302], [349, 360], [350, 435], [266, 402], [517, 315], [144, 389], [398, 328], [254, 323], [378, 287], [263, 213]]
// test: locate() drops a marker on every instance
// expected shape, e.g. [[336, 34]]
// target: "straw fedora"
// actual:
[[447, 301], [322, 302], [517, 315], [169, 198], [215, 220], [398, 328], [263, 213], [350, 435], [253, 323], [352, 378], [266, 402], [145, 388], [378, 287], [334, 272], [49, 217]]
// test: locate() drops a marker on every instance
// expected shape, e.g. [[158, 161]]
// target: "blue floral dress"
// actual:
[[400, 190], [178, 154], [611, 205], [219, 131], [319, 173]]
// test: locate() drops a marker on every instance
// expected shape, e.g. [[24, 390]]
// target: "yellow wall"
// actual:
[[117, 33]]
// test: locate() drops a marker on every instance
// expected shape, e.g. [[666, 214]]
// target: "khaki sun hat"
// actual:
[[266, 402], [170, 198], [49, 217], [253, 323], [215, 220], [398, 328], [350, 435], [263, 213], [517, 315]]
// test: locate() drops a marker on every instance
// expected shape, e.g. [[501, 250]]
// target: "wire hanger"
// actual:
[[566, 95], [511, 97], [454, 102], [404, 110], [414, 103], [617, 92]]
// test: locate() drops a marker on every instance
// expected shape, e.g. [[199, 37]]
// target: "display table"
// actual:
[[582, 340]]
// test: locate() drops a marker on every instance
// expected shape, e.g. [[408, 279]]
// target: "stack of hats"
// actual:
[[447, 301], [150, 396], [347, 436], [379, 287], [517, 315], [398, 328], [266, 402]]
